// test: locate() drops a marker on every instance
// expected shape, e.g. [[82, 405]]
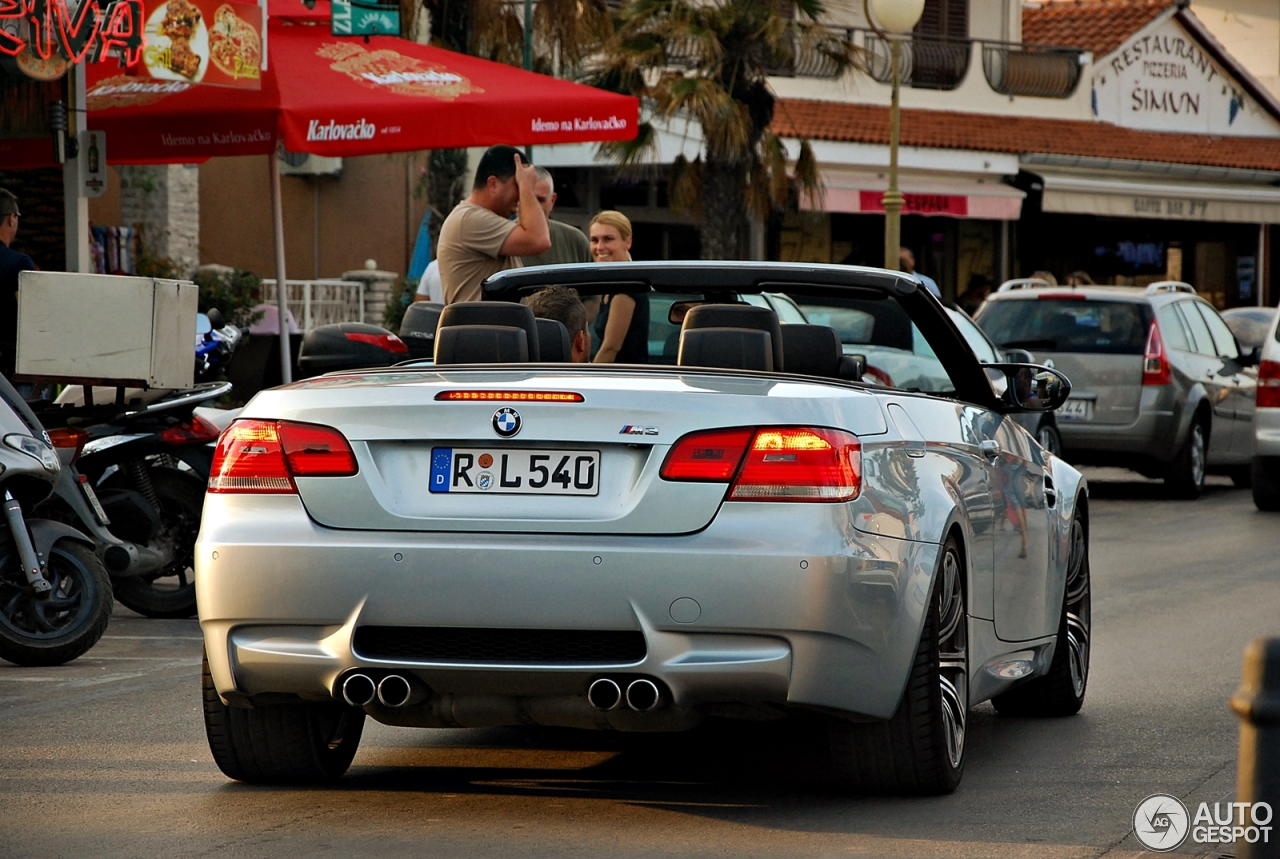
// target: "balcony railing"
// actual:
[[813, 52], [926, 63], [320, 302], [1044, 71]]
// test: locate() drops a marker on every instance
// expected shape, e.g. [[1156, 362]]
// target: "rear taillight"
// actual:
[[69, 438], [1269, 385], [198, 430], [387, 341], [772, 463], [264, 456], [1155, 364]]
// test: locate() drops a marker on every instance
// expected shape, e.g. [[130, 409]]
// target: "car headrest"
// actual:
[[730, 348], [418, 329], [481, 344], [493, 313], [812, 350], [553, 340], [739, 316]]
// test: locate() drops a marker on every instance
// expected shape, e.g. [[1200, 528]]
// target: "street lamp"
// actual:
[[892, 20]]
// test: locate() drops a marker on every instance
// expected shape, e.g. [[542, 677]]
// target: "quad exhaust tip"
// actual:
[[604, 694], [643, 695], [359, 690], [394, 691]]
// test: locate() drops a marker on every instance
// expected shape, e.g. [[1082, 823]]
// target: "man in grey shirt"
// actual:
[[568, 244], [478, 239]]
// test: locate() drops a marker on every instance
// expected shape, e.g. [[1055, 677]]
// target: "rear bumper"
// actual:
[[1154, 433], [1266, 432], [793, 607]]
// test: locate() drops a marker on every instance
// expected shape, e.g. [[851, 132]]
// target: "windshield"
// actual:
[[977, 341], [880, 330], [1067, 325]]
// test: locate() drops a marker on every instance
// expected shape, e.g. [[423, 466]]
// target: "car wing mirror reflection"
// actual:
[[1029, 387]]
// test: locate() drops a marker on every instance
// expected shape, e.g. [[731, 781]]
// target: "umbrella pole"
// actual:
[[282, 295]]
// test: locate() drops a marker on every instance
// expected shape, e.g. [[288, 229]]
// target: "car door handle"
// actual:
[[990, 448]]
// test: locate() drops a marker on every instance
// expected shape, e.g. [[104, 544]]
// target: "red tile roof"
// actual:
[[938, 129], [1095, 25]]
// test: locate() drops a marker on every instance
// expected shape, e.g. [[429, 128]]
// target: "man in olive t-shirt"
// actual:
[[477, 239], [568, 244]]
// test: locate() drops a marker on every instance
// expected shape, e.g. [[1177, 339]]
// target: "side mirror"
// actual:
[[1031, 387]]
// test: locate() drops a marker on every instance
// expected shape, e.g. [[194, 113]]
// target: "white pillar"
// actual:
[[76, 208]]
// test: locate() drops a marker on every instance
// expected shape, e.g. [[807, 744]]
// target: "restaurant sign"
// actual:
[[1161, 79], [193, 41]]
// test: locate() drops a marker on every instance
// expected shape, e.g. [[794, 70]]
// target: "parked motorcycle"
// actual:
[[134, 480], [55, 597]]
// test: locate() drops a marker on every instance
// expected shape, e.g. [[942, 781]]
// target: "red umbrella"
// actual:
[[344, 96]]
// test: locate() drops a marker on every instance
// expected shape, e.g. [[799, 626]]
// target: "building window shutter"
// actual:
[[944, 19]]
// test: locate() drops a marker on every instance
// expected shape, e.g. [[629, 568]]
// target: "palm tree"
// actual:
[[708, 61]]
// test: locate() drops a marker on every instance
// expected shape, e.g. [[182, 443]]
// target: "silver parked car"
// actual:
[[746, 534], [1266, 422], [1159, 382]]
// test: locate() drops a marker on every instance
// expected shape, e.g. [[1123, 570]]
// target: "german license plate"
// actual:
[[1075, 410], [515, 471]]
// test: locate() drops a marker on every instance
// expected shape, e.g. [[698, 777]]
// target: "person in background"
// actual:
[[11, 262], [563, 305], [908, 261], [568, 244], [1080, 278], [478, 239], [623, 323], [980, 286], [429, 286], [1047, 276]]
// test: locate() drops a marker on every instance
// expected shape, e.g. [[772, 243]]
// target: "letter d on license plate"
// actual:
[[515, 471]]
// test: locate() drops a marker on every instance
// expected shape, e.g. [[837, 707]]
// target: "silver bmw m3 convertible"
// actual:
[[763, 530]]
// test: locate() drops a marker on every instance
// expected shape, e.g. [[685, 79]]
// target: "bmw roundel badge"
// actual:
[[506, 422]]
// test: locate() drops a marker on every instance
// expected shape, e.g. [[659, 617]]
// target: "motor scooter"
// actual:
[[55, 597]]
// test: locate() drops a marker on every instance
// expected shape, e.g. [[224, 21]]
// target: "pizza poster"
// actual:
[[209, 42]]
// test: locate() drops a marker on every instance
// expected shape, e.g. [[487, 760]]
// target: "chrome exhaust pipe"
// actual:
[[604, 694], [394, 691], [643, 695], [359, 690]]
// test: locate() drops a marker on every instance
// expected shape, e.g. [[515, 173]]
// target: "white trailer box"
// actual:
[[106, 329]]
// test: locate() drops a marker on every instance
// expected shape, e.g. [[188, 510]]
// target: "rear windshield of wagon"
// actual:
[[1068, 325]]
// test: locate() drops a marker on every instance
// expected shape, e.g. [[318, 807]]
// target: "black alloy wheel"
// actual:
[[62, 626]]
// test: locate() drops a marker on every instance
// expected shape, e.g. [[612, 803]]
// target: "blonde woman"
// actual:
[[623, 323]]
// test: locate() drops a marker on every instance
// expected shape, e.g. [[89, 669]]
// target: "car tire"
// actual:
[[1266, 483], [280, 743], [1241, 476], [1061, 691], [1184, 475], [920, 749], [1050, 439]]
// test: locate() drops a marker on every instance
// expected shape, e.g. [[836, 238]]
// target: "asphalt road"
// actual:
[[106, 757]]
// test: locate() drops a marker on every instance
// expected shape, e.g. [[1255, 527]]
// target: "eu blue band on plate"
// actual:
[[441, 460]]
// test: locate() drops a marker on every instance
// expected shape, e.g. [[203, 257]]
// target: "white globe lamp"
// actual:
[[897, 16]]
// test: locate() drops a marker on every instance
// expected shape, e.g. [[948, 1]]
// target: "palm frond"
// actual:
[[631, 153], [808, 179], [685, 185]]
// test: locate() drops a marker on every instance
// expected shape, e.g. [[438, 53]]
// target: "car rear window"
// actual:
[[1067, 325]]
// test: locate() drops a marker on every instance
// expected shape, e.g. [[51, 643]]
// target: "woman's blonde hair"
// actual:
[[611, 218]]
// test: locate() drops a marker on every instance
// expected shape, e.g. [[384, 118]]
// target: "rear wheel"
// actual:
[[1184, 476], [920, 749], [280, 742], [62, 626], [1266, 483], [170, 592], [1060, 692]]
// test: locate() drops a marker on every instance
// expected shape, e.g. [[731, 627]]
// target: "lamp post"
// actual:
[[893, 19]]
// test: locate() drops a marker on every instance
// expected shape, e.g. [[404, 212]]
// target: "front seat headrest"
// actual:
[[553, 340], [812, 350], [739, 316], [493, 313]]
